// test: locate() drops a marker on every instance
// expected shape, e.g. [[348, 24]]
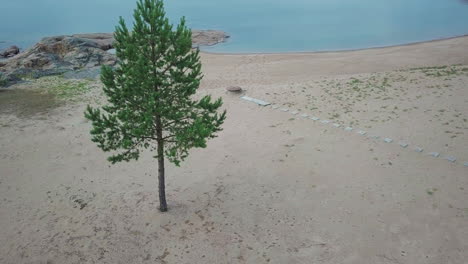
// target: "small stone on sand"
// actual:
[[388, 140], [362, 133], [305, 115], [466, 164], [275, 107], [314, 118], [234, 89], [418, 149], [284, 109], [325, 121], [348, 129], [294, 112], [403, 144], [336, 125], [451, 158], [434, 154]]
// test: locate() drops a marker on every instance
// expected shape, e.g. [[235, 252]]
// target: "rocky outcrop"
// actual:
[[60, 54], [9, 52], [208, 37], [56, 55]]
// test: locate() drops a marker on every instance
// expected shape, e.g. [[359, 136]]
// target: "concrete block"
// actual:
[[257, 101]]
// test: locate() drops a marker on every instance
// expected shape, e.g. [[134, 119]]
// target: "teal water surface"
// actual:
[[254, 25]]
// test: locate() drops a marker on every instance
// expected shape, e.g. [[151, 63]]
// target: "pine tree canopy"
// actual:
[[149, 92]]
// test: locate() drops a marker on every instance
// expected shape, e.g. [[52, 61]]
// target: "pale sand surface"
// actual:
[[273, 187]]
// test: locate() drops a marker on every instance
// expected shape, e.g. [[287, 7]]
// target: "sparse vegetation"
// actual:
[[431, 191], [3, 80], [442, 71], [69, 90]]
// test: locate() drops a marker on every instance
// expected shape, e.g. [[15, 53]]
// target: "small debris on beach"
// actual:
[[348, 129], [418, 149], [403, 144], [451, 158], [234, 89], [362, 133], [434, 154], [257, 101], [314, 118], [388, 140]]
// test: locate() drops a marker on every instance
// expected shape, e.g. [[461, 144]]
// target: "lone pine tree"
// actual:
[[149, 94]]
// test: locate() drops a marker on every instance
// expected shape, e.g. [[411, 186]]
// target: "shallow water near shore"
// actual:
[[254, 26]]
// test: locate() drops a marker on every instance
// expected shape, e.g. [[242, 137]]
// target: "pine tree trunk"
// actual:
[[162, 185]]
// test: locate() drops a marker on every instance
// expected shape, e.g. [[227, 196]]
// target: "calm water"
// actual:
[[255, 25]]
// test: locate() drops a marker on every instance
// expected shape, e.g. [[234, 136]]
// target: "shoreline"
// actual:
[[313, 191], [333, 51]]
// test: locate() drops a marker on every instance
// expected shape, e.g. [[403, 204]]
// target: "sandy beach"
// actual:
[[274, 187]]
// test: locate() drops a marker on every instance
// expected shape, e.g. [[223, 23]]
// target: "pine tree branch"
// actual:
[[176, 121]]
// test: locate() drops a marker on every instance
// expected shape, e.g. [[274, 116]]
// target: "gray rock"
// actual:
[[314, 118], [60, 54], [305, 115], [208, 37], [348, 129], [9, 52], [112, 51], [294, 112], [104, 41], [388, 140], [362, 133], [284, 109], [234, 89], [434, 154], [403, 144], [451, 158], [325, 121], [336, 125], [418, 149], [465, 164], [91, 73]]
